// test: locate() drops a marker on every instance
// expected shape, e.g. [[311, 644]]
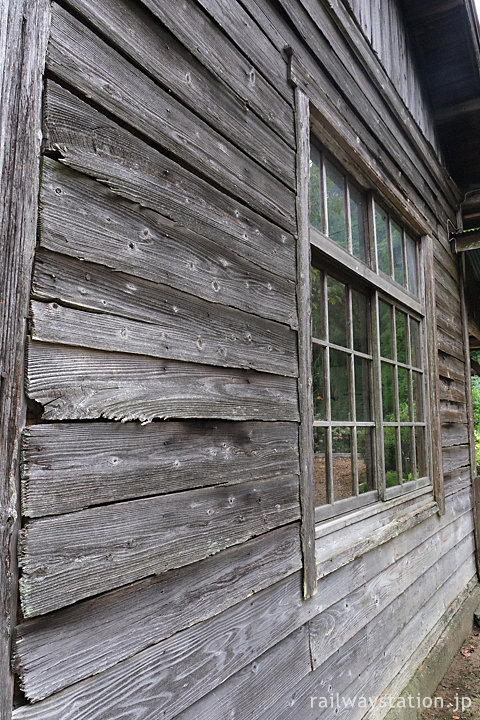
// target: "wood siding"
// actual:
[[162, 552]]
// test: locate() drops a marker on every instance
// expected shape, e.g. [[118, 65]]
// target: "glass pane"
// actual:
[[337, 230], [357, 221], [415, 343], [381, 235], [417, 397], [390, 454], [403, 394], [342, 463], [385, 323], [362, 389], [360, 321], [401, 330], [387, 393], [339, 386], [365, 460], [397, 249], [337, 316], [319, 475], [317, 383], [421, 452], [318, 311], [315, 189], [412, 272], [407, 454]]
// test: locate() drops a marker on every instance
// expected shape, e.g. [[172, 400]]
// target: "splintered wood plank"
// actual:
[[206, 41], [83, 384], [456, 457], [139, 35], [68, 467], [84, 219], [93, 144], [134, 315], [82, 640], [78, 57], [70, 557]]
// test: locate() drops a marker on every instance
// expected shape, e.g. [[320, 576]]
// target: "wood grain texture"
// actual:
[[69, 467], [140, 36], [129, 314], [58, 650], [83, 384], [74, 556], [90, 142], [23, 38], [84, 219], [196, 31], [81, 59]]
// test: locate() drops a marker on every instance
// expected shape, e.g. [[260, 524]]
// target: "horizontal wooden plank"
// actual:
[[453, 390], [258, 685], [205, 40], [139, 316], [451, 412], [140, 36], [68, 467], [92, 143], [450, 367], [83, 61], [84, 219], [83, 384], [456, 457], [60, 649], [74, 556], [450, 345], [454, 434]]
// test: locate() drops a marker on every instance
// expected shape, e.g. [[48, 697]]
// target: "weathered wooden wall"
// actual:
[[160, 554]]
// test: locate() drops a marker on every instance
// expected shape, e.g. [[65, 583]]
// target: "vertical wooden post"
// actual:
[[23, 36], [302, 126], [468, 370], [433, 376]]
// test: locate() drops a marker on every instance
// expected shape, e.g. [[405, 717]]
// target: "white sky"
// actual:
[[477, 5]]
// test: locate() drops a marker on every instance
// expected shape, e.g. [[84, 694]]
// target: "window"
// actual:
[[367, 359]]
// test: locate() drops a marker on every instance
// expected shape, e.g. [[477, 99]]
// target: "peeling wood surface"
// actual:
[[93, 144], [70, 467], [70, 557], [55, 651], [84, 219], [81, 59], [83, 384], [133, 315]]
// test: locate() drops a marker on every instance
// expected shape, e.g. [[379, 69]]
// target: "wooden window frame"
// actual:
[[311, 117]]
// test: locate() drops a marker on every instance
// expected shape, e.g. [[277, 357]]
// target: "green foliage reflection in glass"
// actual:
[[315, 189], [476, 410], [381, 234], [357, 222], [318, 312], [337, 312], [397, 250], [318, 384], [335, 186]]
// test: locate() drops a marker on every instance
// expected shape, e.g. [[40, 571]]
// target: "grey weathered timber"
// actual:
[[454, 434], [433, 398], [23, 37], [468, 376], [69, 557], [449, 367], [138, 34], [79, 641], [305, 439], [257, 686], [455, 457], [81, 59], [84, 219], [133, 315], [70, 467], [469, 240], [81, 384], [203, 39], [90, 142]]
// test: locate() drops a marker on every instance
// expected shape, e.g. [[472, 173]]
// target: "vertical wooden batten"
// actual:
[[23, 39], [433, 375], [302, 129]]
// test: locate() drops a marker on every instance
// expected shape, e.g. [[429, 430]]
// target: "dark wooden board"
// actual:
[[135, 315], [68, 467], [139, 35], [23, 38], [92, 143], [84, 219], [205, 40], [55, 651], [82, 384], [70, 557], [80, 59]]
